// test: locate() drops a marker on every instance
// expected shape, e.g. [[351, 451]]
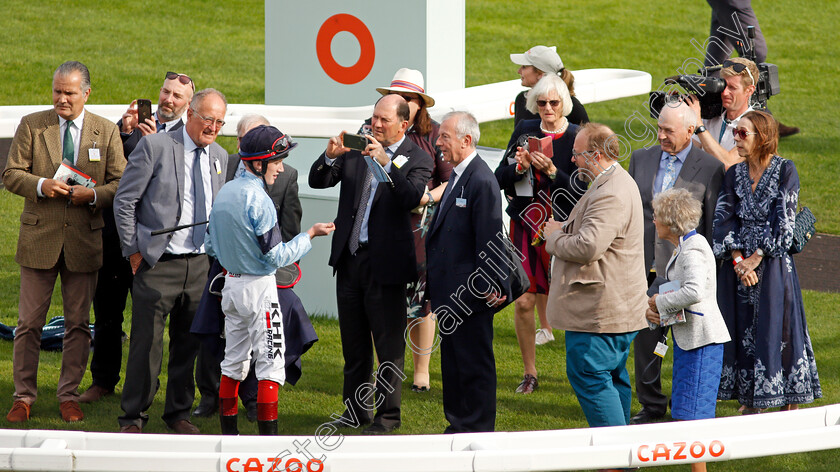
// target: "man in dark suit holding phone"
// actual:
[[115, 278], [373, 257], [468, 280], [675, 162]]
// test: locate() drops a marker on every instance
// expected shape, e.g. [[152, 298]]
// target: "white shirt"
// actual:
[[181, 242], [76, 134], [717, 124]]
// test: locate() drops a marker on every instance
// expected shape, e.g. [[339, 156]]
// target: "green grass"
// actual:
[[128, 47]]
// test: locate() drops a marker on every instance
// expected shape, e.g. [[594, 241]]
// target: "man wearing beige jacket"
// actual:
[[597, 294]]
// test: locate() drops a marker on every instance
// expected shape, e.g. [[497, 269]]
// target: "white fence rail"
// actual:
[[712, 440], [487, 102]]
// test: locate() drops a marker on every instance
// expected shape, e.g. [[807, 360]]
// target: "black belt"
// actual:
[[171, 257]]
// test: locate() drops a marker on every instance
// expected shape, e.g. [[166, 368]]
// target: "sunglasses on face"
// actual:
[[406, 96], [738, 68], [553, 103], [742, 133], [183, 78]]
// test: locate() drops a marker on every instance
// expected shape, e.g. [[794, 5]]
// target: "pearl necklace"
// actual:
[[559, 131]]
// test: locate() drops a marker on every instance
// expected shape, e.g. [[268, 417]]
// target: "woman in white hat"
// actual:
[[534, 64], [423, 131]]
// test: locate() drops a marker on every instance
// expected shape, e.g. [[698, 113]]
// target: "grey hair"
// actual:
[[547, 84], [75, 66], [689, 118], [465, 125], [677, 209], [247, 122], [204, 93]]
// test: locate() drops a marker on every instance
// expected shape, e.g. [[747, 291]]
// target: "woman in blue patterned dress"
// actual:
[[770, 361]]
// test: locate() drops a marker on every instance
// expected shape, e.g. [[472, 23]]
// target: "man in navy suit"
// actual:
[[373, 257], [675, 162], [468, 278]]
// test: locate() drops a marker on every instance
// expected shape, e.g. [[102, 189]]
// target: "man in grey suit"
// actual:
[[174, 178], [284, 194], [674, 163]]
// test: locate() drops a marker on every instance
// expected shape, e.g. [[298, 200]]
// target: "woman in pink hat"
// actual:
[[423, 131]]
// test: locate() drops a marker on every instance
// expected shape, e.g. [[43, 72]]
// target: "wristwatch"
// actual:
[[700, 129]]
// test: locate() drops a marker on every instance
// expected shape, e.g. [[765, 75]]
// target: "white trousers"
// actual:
[[253, 321]]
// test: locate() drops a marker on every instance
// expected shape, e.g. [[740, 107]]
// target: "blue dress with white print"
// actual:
[[770, 361]]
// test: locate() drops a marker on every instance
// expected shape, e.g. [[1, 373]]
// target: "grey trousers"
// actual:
[[171, 287], [722, 11]]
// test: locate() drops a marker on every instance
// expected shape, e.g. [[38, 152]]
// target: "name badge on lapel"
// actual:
[[461, 202], [400, 160], [218, 167], [93, 154]]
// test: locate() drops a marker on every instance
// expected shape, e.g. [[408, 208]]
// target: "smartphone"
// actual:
[[144, 110], [355, 141], [542, 145]]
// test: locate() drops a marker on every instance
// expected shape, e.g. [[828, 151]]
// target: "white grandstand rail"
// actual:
[[718, 439], [487, 102]]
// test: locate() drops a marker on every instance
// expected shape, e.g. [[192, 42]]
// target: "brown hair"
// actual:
[[601, 138], [767, 139], [569, 79], [422, 120]]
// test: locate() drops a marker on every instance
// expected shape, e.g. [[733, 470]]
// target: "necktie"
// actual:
[[353, 244], [670, 173], [161, 127], [199, 204], [452, 178], [67, 153]]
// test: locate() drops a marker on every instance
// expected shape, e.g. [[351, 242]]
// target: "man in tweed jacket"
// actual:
[[60, 230]]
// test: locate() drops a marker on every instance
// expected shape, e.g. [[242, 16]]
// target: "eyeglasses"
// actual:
[[586, 154], [183, 78], [738, 68], [553, 103], [407, 96], [209, 121], [742, 134]]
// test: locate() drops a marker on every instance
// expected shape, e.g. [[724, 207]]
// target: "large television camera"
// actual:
[[708, 89]]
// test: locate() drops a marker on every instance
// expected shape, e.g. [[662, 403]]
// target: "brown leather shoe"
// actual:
[[70, 411], [94, 394], [131, 428], [19, 412], [528, 385], [785, 130], [184, 427]]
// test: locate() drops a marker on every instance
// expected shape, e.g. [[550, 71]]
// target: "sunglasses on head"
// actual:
[[742, 133], [183, 78], [738, 68], [553, 103]]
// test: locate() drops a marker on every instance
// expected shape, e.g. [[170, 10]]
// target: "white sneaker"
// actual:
[[544, 336]]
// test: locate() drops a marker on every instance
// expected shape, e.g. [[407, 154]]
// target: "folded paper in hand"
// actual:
[[672, 316], [378, 171], [71, 175]]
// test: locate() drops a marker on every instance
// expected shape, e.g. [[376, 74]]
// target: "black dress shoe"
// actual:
[[345, 423], [377, 429], [208, 406], [646, 416]]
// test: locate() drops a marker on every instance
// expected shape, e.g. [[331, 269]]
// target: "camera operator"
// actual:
[[715, 135]]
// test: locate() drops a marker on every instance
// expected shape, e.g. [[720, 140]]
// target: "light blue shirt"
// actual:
[[243, 233], [663, 165], [181, 242]]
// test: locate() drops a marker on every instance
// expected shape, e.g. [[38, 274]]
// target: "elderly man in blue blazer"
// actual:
[[467, 278], [173, 179]]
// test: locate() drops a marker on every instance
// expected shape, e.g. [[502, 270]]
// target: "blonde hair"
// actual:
[[677, 209]]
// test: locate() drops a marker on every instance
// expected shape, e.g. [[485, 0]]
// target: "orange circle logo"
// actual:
[[334, 25]]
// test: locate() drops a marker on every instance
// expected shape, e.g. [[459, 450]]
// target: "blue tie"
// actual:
[[199, 203], [670, 173], [161, 127]]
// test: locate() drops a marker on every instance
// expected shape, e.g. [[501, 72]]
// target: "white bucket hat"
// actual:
[[408, 81]]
